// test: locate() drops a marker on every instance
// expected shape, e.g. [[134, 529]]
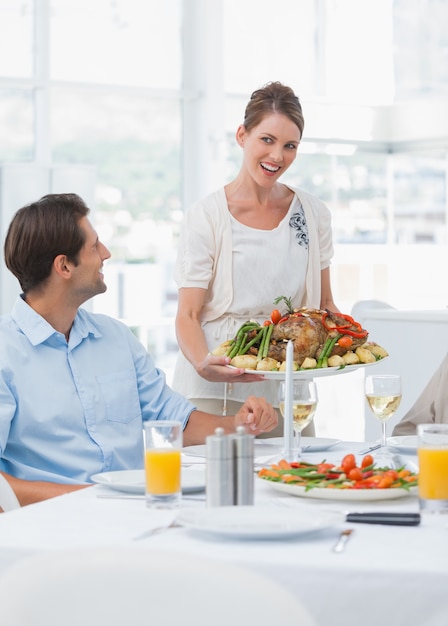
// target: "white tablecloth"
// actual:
[[386, 575]]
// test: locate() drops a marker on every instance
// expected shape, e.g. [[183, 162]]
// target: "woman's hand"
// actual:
[[257, 415], [214, 369]]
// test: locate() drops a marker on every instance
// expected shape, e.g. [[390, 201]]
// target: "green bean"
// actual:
[[267, 340], [326, 352], [261, 346], [252, 341], [240, 339]]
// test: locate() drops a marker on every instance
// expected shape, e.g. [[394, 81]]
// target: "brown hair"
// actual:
[[39, 232], [273, 97]]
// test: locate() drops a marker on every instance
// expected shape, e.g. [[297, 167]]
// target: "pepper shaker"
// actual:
[[219, 469], [243, 451]]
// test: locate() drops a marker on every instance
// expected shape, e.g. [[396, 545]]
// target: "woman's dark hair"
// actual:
[[273, 98], [39, 232]]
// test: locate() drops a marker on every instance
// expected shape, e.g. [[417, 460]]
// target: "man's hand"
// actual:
[[257, 415]]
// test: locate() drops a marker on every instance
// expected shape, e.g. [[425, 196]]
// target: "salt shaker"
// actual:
[[219, 469], [243, 452]]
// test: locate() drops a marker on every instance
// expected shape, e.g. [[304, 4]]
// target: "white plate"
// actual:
[[270, 446], [311, 444], [133, 481], [315, 373], [405, 443], [254, 522], [349, 495]]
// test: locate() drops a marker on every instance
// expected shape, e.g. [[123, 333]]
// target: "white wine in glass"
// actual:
[[304, 403], [383, 394]]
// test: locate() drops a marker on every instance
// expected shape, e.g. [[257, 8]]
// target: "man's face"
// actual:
[[87, 276]]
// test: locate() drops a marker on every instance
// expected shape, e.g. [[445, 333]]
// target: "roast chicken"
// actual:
[[308, 329]]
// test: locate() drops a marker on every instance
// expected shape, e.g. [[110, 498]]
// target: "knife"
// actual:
[[378, 517], [370, 449]]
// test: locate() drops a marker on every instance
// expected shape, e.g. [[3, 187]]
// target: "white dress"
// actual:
[[264, 264]]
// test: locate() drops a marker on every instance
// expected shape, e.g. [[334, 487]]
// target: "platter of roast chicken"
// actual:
[[324, 342]]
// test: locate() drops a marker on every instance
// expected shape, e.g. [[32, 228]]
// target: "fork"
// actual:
[[158, 529], [343, 538]]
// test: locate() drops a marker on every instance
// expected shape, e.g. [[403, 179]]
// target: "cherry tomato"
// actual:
[[355, 474], [367, 460], [345, 341], [276, 316], [348, 463], [267, 323], [322, 468]]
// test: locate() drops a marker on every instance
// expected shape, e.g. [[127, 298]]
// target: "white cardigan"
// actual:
[[205, 251], [205, 261]]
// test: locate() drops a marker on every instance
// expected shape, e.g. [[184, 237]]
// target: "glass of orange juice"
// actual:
[[433, 467], [163, 444]]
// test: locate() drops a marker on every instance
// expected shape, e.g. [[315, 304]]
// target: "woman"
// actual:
[[243, 246]]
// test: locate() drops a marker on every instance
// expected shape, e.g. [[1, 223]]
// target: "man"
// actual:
[[75, 386], [431, 406]]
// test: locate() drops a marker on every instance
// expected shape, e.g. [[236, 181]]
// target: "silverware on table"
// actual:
[[158, 529], [116, 496], [342, 540], [370, 449], [390, 518]]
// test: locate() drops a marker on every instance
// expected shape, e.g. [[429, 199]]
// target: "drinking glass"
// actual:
[[163, 444], [304, 403], [433, 467], [383, 394]]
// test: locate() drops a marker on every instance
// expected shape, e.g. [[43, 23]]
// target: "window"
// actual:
[[143, 98]]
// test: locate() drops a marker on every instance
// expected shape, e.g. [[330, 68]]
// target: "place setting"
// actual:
[[369, 479], [164, 478], [132, 482]]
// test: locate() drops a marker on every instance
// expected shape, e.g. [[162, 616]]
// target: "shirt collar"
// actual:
[[38, 330]]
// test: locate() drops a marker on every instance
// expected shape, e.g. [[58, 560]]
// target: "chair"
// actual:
[[8, 499], [137, 587], [360, 308]]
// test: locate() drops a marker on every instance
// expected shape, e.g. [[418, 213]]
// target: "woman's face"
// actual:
[[269, 148]]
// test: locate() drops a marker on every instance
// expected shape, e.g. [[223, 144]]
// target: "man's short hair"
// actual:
[[39, 232]]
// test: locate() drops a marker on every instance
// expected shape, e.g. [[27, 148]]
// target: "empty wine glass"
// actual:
[[304, 403], [383, 394]]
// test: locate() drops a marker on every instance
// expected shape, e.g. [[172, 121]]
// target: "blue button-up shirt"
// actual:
[[71, 410]]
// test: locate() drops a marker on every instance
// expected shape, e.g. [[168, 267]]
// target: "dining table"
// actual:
[[386, 574]]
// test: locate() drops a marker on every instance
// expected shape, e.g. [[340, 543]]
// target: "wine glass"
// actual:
[[383, 394], [304, 403]]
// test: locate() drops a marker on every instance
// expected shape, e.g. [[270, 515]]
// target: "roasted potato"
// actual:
[[365, 356], [377, 350], [335, 361], [268, 365], [282, 368], [222, 349], [308, 364], [246, 361], [350, 358]]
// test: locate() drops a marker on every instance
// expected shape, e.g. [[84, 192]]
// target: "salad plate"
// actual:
[[312, 373], [256, 522], [348, 495], [133, 481], [404, 443]]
